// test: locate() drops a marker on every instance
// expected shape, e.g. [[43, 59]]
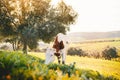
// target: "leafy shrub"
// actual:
[[18, 66], [76, 51], [64, 68], [109, 52]]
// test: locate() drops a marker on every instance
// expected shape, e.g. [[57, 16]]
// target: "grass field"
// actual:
[[105, 67], [109, 69]]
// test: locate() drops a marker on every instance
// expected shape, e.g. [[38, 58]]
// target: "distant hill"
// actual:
[[81, 36]]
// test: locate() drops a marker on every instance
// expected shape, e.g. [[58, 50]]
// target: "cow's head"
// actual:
[[58, 45], [49, 55]]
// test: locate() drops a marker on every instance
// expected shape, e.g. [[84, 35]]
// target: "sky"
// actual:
[[95, 15]]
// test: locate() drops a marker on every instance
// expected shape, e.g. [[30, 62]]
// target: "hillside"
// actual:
[[81, 36]]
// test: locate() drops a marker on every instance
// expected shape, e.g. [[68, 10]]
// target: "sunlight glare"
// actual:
[[54, 2]]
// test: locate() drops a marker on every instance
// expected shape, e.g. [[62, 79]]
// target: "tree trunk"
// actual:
[[18, 45], [25, 48], [13, 45]]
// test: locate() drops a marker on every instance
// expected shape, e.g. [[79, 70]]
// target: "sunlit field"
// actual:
[[33, 64], [106, 67], [95, 46]]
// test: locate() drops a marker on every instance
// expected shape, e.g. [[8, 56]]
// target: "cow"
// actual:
[[59, 49]]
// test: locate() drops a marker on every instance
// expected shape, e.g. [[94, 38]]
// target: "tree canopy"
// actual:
[[27, 21]]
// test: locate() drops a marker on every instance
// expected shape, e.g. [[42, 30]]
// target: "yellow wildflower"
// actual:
[[52, 77], [65, 77], [77, 72], [40, 78]]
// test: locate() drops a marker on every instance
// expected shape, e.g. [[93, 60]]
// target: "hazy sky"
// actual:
[[96, 15]]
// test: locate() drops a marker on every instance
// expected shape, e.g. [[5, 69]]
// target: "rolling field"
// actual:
[[105, 67], [97, 46]]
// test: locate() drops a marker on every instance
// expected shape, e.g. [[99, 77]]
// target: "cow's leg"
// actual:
[[63, 62], [63, 56], [58, 59]]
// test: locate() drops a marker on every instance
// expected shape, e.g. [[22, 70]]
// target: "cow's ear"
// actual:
[[56, 39]]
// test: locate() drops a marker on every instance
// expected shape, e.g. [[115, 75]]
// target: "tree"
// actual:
[[7, 22], [33, 20]]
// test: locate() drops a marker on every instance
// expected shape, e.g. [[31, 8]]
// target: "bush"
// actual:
[[95, 55], [18, 66], [76, 51], [109, 52]]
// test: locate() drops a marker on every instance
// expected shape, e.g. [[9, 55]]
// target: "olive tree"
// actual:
[[34, 20]]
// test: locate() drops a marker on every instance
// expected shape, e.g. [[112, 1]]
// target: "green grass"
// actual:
[[105, 67], [18, 66]]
